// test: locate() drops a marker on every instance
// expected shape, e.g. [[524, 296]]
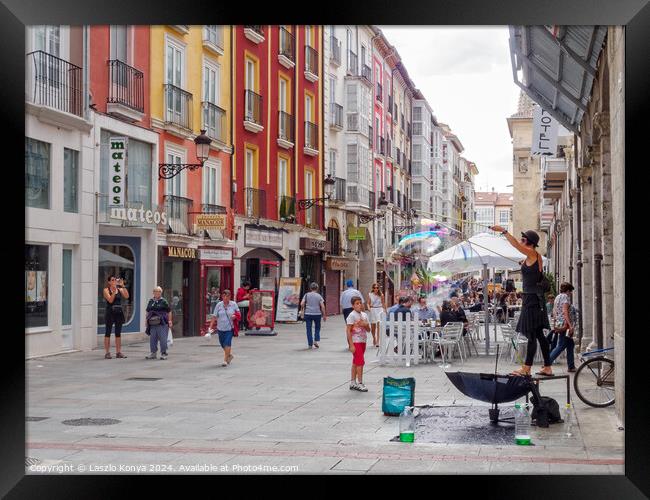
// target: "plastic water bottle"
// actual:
[[568, 420], [407, 425], [522, 425]]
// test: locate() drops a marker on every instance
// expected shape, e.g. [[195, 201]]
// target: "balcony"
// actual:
[[379, 93], [287, 55], [213, 38], [214, 122], [208, 208], [254, 33], [335, 51], [125, 91], [311, 139], [178, 214], [339, 190], [287, 209], [253, 111], [314, 216], [555, 169], [366, 74], [353, 61], [358, 195], [54, 83], [285, 130], [178, 110], [336, 121], [255, 203], [311, 64]]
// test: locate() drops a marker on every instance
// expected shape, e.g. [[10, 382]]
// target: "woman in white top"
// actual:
[[376, 306]]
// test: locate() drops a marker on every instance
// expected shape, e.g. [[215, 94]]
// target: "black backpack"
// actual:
[[545, 411]]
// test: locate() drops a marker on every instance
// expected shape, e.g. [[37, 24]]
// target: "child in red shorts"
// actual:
[[357, 331]]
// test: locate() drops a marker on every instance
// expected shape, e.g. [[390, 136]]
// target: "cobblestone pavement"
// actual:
[[278, 408]]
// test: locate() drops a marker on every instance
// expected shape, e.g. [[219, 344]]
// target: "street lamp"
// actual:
[[170, 170], [329, 184], [381, 205]]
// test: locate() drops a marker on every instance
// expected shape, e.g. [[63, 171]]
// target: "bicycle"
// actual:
[[594, 380]]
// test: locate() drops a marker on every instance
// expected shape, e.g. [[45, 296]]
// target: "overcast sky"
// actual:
[[466, 76]]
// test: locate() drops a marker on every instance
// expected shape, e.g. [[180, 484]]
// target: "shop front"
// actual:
[[179, 276], [216, 276], [261, 264], [311, 269], [334, 269]]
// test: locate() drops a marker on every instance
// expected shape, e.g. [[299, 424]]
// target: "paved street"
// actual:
[[277, 404]]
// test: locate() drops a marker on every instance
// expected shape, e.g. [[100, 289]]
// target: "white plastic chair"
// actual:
[[451, 335]]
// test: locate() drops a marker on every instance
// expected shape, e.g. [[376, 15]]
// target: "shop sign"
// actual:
[[544, 133], [181, 252], [338, 264], [139, 215], [211, 221], [356, 233], [318, 245], [256, 237], [117, 172], [222, 254]]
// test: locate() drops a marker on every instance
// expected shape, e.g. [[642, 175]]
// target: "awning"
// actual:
[[558, 67]]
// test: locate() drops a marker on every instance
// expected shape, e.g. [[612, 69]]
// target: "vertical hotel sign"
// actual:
[[544, 133], [117, 171]]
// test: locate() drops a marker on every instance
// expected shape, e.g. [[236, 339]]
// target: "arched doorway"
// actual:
[[262, 268]]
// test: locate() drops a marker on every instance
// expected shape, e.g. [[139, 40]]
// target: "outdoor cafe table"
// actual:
[[427, 332]]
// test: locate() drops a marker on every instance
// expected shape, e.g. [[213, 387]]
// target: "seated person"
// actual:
[[478, 306], [425, 312], [446, 315], [459, 314]]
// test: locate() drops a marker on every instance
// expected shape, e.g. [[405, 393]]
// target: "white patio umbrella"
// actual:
[[107, 258]]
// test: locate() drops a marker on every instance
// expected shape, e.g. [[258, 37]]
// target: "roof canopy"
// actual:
[[558, 65]]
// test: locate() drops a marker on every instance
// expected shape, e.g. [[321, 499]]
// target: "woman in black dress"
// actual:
[[533, 319], [114, 292]]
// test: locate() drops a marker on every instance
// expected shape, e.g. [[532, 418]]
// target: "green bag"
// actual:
[[398, 393]]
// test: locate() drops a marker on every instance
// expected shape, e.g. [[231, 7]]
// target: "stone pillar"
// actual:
[[587, 260], [596, 248], [601, 121], [616, 63]]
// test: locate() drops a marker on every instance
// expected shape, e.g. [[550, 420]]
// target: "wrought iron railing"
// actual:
[[178, 213], [55, 83], [285, 126], [253, 107], [311, 60], [125, 85], [178, 106], [214, 121], [311, 135], [255, 202], [337, 115], [287, 209], [287, 45]]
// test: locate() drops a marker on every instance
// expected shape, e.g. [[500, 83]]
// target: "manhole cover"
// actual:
[[91, 421], [462, 425], [35, 419], [144, 379], [29, 461]]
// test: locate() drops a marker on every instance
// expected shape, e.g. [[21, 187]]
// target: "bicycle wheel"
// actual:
[[594, 382]]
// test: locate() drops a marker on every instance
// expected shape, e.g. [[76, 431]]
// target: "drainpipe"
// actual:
[[578, 238], [233, 204], [598, 299]]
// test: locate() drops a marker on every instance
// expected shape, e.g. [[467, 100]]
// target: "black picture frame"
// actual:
[[634, 14]]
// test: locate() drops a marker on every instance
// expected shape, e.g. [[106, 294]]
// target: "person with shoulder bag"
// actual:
[[564, 326], [226, 314], [159, 321], [114, 292]]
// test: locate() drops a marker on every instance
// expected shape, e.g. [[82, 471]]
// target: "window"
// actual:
[[417, 114], [417, 152], [250, 168], [211, 183], [250, 75], [308, 36], [309, 193], [116, 260], [66, 289], [417, 129], [212, 34], [504, 216], [173, 186], [70, 180], [485, 214], [119, 43], [175, 60], [332, 169], [283, 95], [283, 177], [48, 39], [36, 285], [417, 191], [352, 163], [308, 107], [211, 83], [37, 173]]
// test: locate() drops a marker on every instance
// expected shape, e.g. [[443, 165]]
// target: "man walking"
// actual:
[[346, 299]]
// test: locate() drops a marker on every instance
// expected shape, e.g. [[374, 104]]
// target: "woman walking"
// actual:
[[313, 308], [564, 323], [376, 306], [226, 313], [159, 320], [114, 292], [533, 319]]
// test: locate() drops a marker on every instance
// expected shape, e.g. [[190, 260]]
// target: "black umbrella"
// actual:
[[493, 388]]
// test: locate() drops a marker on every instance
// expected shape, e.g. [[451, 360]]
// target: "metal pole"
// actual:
[[598, 300], [487, 310]]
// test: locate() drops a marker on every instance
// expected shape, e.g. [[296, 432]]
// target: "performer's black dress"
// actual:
[[533, 319]]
